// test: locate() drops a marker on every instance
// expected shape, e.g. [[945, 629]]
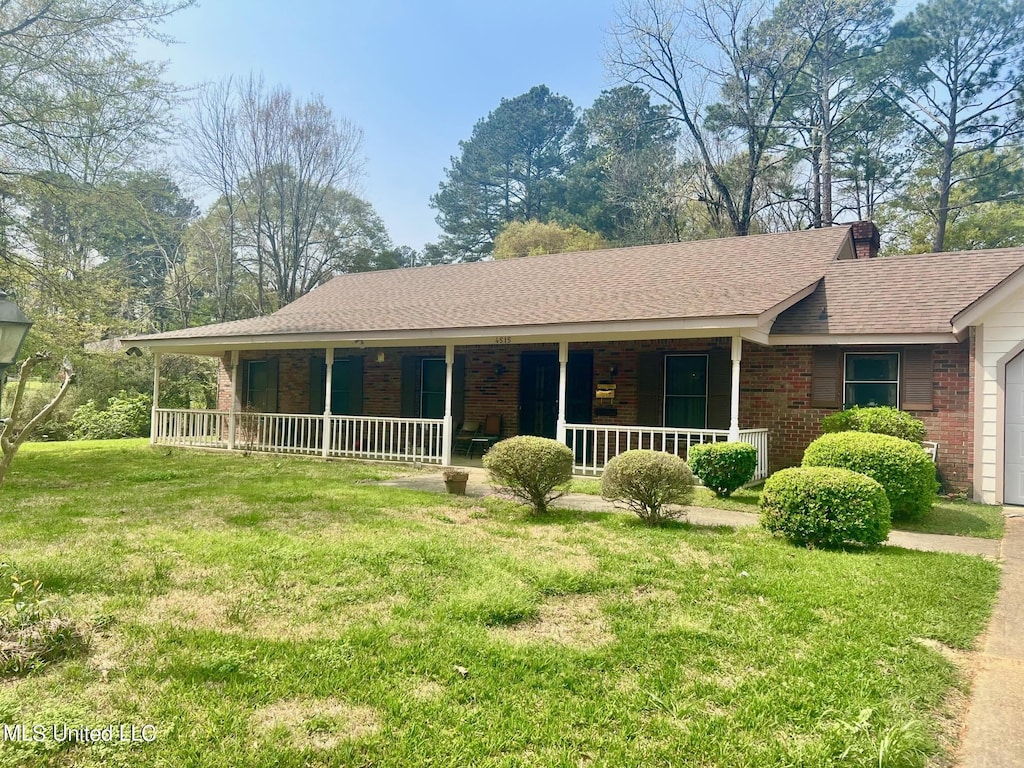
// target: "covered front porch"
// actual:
[[397, 402]]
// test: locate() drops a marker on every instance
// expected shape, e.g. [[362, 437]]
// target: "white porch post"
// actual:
[[153, 426], [233, 406], [328, 387], [446, 429], [563, 361], [734, 401]]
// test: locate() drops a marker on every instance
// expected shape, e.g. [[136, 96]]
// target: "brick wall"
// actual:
[[775, 391], [292, 383]]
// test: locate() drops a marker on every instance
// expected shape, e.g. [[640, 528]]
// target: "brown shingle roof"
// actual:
[[901, 294], [704, 279]]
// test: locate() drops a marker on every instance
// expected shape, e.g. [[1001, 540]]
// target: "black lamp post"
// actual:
[[13, 329]]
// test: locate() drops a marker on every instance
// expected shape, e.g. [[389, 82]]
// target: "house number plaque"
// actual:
[[503, 340]]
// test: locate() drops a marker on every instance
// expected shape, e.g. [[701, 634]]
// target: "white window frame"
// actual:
[[664, 388], [897, 381]]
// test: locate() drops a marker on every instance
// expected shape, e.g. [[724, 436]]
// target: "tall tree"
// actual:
[[73, 98], [624, 177], [281, 166], [874, 158], [985, 209], [141, 241], [835, 85], [726, 68], [510, 169], [957, 76]]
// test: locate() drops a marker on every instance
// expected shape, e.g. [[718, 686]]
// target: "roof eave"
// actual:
[[610, 330], [977, 309], [862, 339]]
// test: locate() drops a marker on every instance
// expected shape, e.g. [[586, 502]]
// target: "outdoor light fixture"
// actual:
[[612, 370], [499, 369], [380, 357], [13, 329]]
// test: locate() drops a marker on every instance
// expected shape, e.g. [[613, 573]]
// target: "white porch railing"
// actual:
[[373, 437], [594, 445], [279, 432], [190, 428], [363, 437]]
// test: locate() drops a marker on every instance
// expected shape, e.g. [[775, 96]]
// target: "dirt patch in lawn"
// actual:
[[316, 723], [685, 555], [576, 621], [425, 690], [295, 618]]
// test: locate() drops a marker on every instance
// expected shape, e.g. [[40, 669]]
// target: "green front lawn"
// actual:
[[262, 611]]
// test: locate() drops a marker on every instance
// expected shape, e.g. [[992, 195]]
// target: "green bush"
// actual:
[[647, 481], [125, 416], [530, 469], [825, 506], [905, 471], [882, 420], [723, 467]]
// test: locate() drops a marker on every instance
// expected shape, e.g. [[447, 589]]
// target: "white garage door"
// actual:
[[1014, 431]]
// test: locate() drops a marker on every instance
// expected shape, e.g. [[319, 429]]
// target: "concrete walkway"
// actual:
[[929, 542], [993, 735]]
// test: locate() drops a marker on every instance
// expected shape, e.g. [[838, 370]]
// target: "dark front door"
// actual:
[[579, 400], [538, 391], [579, 387]]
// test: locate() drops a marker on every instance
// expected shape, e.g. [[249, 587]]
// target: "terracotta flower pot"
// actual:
[[456, 486]]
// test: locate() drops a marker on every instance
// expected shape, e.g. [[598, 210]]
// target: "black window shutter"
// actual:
[[459, 390], [917, 378], [410, 386], [650, 386], [273, 376], [826, 380], [719, 388], [243, 385], [317, 382], [355, 386]]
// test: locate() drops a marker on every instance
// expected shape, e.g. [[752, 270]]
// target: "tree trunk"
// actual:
[[11, 437], [945, 179]]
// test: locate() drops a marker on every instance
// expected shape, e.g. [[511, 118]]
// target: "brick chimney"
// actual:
[[865, 239]]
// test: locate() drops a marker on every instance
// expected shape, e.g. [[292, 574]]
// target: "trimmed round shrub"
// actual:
[[723, 467], [530, 469], [903, 468], [648, 481], [825, 506], [881, 420]]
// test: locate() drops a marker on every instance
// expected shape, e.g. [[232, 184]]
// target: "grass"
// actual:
[[956, 517], [262, 611]]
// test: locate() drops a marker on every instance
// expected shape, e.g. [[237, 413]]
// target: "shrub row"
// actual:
[[903, 468]]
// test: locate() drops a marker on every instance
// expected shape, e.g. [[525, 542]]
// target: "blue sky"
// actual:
[[414, 75]]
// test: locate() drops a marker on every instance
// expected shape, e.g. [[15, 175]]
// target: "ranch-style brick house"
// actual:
[[754, 338]]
